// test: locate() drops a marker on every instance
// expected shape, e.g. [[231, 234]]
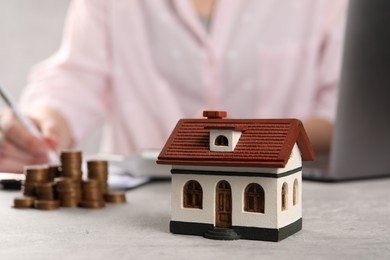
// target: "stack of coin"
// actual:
[[45, 191], [35, 174], [98, 170], [38, 185], [71, 164], [46, 197], [51, 187], [69, 191], [54, 171], [92, 196]]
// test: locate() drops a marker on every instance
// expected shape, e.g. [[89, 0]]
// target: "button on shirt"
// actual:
[[141, 65]]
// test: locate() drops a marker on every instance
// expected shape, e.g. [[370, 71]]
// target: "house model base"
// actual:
[[234, 232], [237, 178]]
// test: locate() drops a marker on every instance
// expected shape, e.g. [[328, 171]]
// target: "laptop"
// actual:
[[361, 138]]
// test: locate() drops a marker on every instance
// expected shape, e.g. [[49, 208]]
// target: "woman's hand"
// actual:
[[18, 147], [320, 132]]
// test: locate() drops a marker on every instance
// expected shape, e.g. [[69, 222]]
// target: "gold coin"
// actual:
[[24, 202], [69, 203], [37, 173], [47, 204], [92, 194], [115, 197], [91, 184], [92, 204]]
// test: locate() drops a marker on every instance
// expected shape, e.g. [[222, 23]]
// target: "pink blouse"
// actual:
[[140, 65]]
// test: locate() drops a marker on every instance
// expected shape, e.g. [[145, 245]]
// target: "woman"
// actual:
[[141, 65]]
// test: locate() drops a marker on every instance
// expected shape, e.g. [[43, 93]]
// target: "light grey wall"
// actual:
[[30, 31]]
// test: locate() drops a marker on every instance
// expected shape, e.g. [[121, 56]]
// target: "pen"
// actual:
[[27, 123]]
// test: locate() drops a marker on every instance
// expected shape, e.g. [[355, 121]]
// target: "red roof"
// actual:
[[263, 143]]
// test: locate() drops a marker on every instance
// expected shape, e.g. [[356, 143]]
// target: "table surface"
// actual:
[[340, 221]]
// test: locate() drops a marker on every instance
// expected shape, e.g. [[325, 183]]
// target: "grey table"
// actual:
[[340, 221]]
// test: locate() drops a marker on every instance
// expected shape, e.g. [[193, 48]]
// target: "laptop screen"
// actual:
[[361, 138]]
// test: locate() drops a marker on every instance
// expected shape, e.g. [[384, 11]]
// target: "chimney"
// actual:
[[214, 114]]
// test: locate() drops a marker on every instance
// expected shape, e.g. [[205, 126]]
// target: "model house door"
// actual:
[[223, 205]]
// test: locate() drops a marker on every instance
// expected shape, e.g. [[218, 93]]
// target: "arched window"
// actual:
[[295, 192], [193, 195], [221, 140], [284, 196], [254, 198]]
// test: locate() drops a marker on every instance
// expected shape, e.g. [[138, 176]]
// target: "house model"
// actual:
[[236, 178]]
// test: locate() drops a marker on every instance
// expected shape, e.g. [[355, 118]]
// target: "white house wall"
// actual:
[[238, 185], [273, 216], [179, 213], [293, 212]]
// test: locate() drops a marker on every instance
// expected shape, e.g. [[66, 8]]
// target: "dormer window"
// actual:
[[221, 140], [224, 136]]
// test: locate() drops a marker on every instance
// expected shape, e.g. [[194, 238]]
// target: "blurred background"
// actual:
[[30, 31]]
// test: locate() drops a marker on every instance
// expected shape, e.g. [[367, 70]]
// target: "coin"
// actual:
[[92, 195], [69, 203], [66, 183], [92, 204], [44, 187], [71, 164], [91, 184], [115, 197], [47, 204], [37, 173], [54, 171], [97, 165], [24, 202], [49, 187], [29, 189]]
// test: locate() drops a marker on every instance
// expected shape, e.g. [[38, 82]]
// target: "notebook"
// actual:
[[361, 138]]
